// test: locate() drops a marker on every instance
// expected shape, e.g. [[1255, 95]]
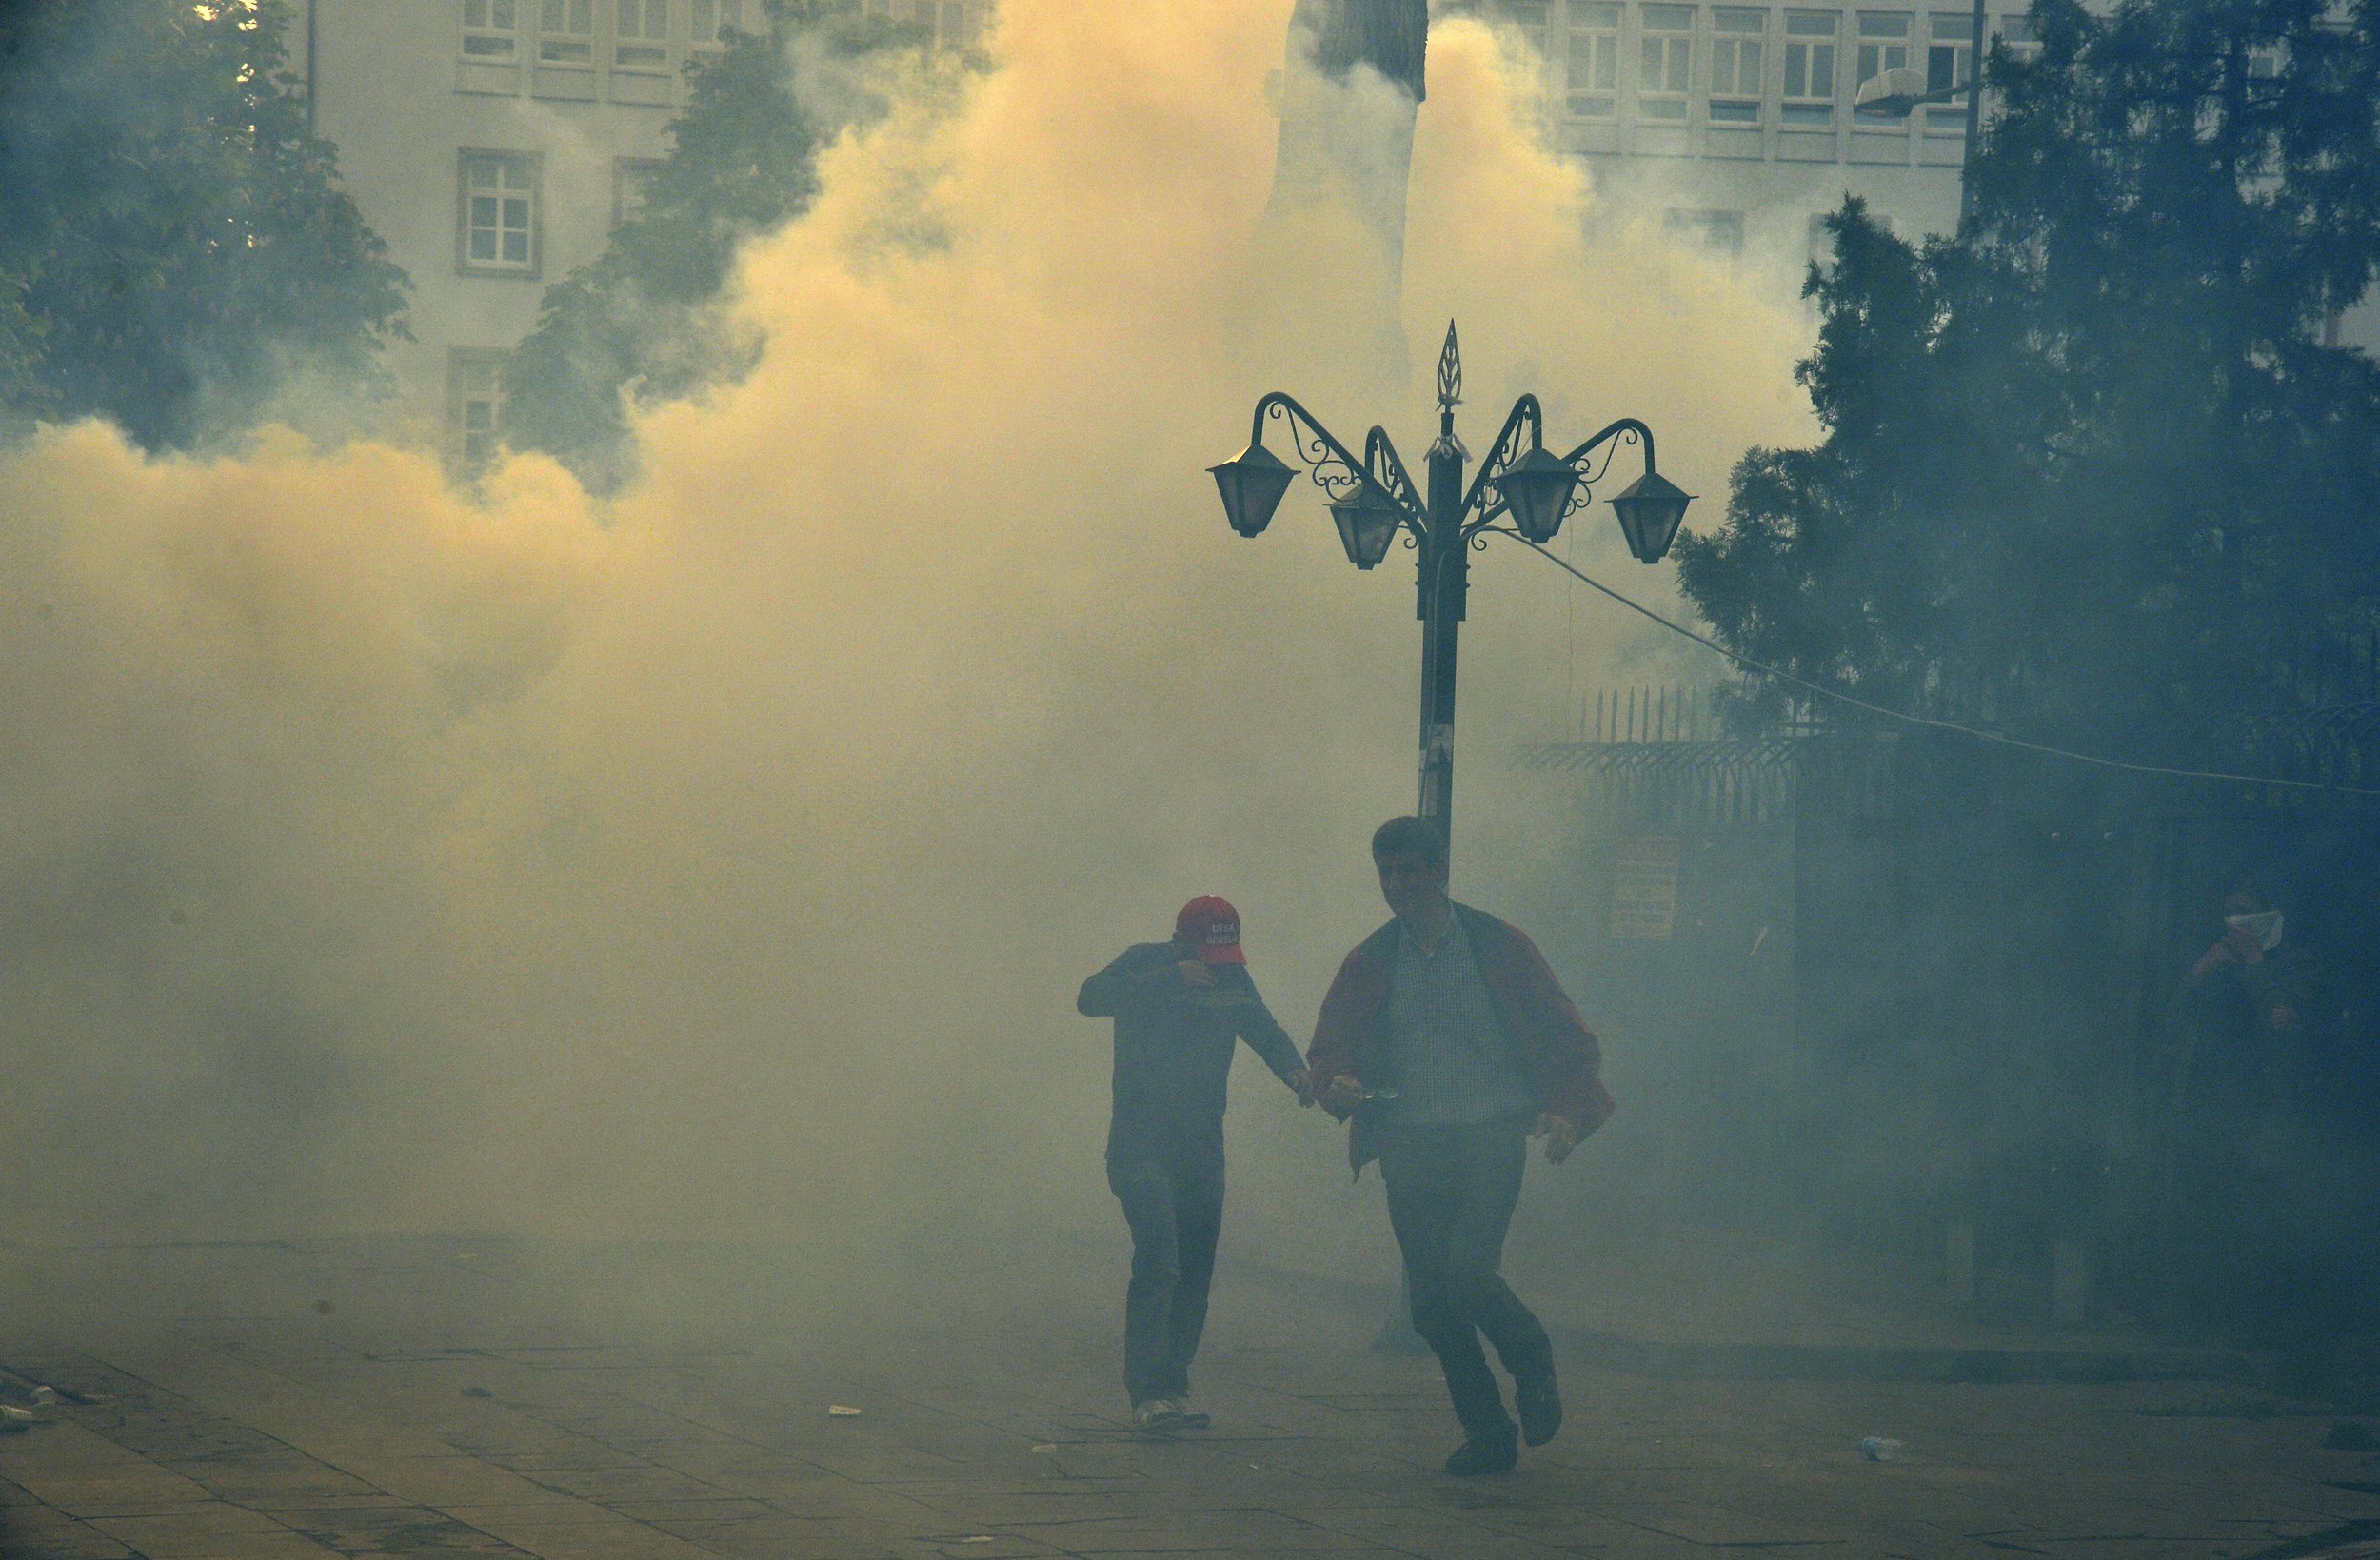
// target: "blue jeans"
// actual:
[[1174, 1208]]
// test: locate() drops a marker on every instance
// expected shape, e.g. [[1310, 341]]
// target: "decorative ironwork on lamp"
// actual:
[[1372, 498]]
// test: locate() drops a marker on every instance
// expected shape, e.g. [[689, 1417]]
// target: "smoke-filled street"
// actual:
[[414, 1399], [1442, 777]]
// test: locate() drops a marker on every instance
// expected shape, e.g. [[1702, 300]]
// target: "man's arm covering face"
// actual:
[[1265, 1036], [1134, 977]]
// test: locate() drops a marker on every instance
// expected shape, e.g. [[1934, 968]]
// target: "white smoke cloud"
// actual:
[[381, 856]]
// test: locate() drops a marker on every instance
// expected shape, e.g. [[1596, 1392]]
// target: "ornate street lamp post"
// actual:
[[1372, 498]]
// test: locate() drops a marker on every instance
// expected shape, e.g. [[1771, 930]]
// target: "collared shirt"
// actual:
[[1450, 1063]]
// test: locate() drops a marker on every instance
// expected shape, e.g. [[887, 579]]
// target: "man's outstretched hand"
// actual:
[[1559, 1136], [1302, 1081]]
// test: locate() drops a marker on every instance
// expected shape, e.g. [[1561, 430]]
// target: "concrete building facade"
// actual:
[[495, 145], [1735, 124]]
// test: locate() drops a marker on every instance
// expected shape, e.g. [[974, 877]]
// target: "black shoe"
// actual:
[[1475, 1456], [1540, 1405]]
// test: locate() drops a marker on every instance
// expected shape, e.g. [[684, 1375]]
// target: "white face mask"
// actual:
[[2265, 924]]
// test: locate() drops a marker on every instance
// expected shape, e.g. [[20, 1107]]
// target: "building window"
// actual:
[[1950, 63], [566, 31], [1593, 58], [499, 213], [1716, 233], [640, 35], [491, 30], [631, 188], [1665, 41], [1533, 17], [1821, 243], [1883, 43], [953, 24], [475, 405], [1810, 67], [1737, 35], [716, 22], [2019, 35]]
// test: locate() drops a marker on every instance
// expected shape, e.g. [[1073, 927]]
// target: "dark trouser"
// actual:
[[1175, 1207], [1451, 1195]]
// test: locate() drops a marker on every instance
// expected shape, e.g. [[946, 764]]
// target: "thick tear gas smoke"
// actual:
[[723, 862]]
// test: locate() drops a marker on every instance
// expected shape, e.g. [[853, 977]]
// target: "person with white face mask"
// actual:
[[2277, 978], [2247, 1209]]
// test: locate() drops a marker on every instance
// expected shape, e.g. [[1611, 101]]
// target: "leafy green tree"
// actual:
[[173, 242], [640, 322], [2088, 466], [22, 393]]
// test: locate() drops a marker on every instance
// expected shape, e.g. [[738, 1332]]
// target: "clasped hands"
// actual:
[[1344, 1093], [1197, 975]]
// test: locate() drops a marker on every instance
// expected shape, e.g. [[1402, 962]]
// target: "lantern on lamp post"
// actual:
[[1372, 499]]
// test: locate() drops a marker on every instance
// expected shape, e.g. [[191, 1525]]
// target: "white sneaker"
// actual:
[[1156, 1413], [1192, 1418]]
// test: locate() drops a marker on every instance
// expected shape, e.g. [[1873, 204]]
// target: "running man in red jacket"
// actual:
[[1450, 1043]]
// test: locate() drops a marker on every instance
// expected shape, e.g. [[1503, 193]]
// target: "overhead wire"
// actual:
[[1995, 737]]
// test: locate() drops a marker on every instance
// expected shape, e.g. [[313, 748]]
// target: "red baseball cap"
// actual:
[[1211, 927]]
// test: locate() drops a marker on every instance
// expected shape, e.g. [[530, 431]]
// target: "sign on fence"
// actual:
[[1644, 888]]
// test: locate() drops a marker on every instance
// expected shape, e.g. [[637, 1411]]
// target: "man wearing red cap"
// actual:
[[1181, 1010]]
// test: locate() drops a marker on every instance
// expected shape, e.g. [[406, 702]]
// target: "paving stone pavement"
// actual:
[[415, 1417]]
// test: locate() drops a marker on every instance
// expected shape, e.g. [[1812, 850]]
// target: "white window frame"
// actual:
[[491, 30], [1880, 48], [565, 33], [635, 45], [474, 384], [1949, 44], [710, 22], [1710, 231], [1666, 54], [626, 172], [1812, 66], [953, 24], [1740, 36], [1592, 69], [516, 182], [1534, 18]]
